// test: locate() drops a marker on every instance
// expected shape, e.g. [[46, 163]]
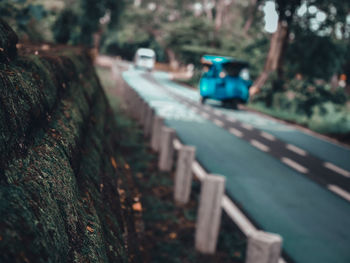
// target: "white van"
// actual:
[[145, 58]]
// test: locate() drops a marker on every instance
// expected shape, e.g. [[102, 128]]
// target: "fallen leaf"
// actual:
[[237, 254], [172, 235], [137, 207], [127, 166], [88, 228], [45, 47], [114, 163]]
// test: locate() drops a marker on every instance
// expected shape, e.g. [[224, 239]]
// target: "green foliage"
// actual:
[[25, 17], [179, 37], [173, 26], [306, 59], [132, 33], [315, 105], [330, 118], [64, 26], [77, 24]]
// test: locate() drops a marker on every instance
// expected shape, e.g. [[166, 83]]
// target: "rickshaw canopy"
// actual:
[[212, 59]]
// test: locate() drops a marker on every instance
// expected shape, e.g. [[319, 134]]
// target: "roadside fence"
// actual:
[[263, 247]]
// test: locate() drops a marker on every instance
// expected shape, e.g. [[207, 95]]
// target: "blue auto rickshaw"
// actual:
[[225, 79]]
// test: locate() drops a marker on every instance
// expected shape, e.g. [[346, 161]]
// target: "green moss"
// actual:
[[8, 41], [58, 189]]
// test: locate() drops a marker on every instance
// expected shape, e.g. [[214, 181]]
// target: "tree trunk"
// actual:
[[174, 64], [220, 8], [274, 57], [251, 14], [208, 11]]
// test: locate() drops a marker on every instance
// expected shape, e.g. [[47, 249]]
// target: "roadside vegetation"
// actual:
[[300, 65]]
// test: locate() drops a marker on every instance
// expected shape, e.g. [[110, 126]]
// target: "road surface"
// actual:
[[285, 180]]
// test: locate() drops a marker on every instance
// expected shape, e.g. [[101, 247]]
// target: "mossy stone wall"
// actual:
[[59, 198]]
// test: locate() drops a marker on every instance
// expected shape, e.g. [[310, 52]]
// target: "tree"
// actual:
[[85, 20], [278, 43], [253, 6]]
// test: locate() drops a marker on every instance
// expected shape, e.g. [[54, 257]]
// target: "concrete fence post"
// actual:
[[166, 156], [263, 247], [209, 213], [145, 109], [148, 124], [133, 101], [183, 175], [137, 104], [126, 95], [140, 110], [156, 133]]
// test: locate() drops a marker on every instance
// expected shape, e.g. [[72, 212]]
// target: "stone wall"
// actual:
[[59, 199]]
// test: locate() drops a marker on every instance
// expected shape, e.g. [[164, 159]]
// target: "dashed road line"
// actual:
[[207, 107], [268, 136], [260, 145], [336, 169], [295, 149], [218, 123], [236, 132], [339, 191], [231, 119], [217, 112], [204, 115], [247, 126], [294, 165], [194, 109]]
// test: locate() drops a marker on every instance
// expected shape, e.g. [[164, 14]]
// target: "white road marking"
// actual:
[[218, 123], [205, 115], [207, 107], [260, 145], [294, 165], [336, 169], [236, 132], [231, 119], [268, 136], [339, 191], [247, 126], [194, 109], [295, 149], [217, 112]]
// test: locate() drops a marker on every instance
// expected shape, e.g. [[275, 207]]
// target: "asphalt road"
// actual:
[[286, 181]]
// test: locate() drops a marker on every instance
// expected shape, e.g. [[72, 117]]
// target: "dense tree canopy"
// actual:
[[309, 48]]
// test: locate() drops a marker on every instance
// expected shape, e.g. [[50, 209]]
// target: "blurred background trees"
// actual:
[[299, 65]]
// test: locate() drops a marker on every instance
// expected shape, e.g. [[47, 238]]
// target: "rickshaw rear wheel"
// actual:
[[231, 104], [234, 104], [203, 99]]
